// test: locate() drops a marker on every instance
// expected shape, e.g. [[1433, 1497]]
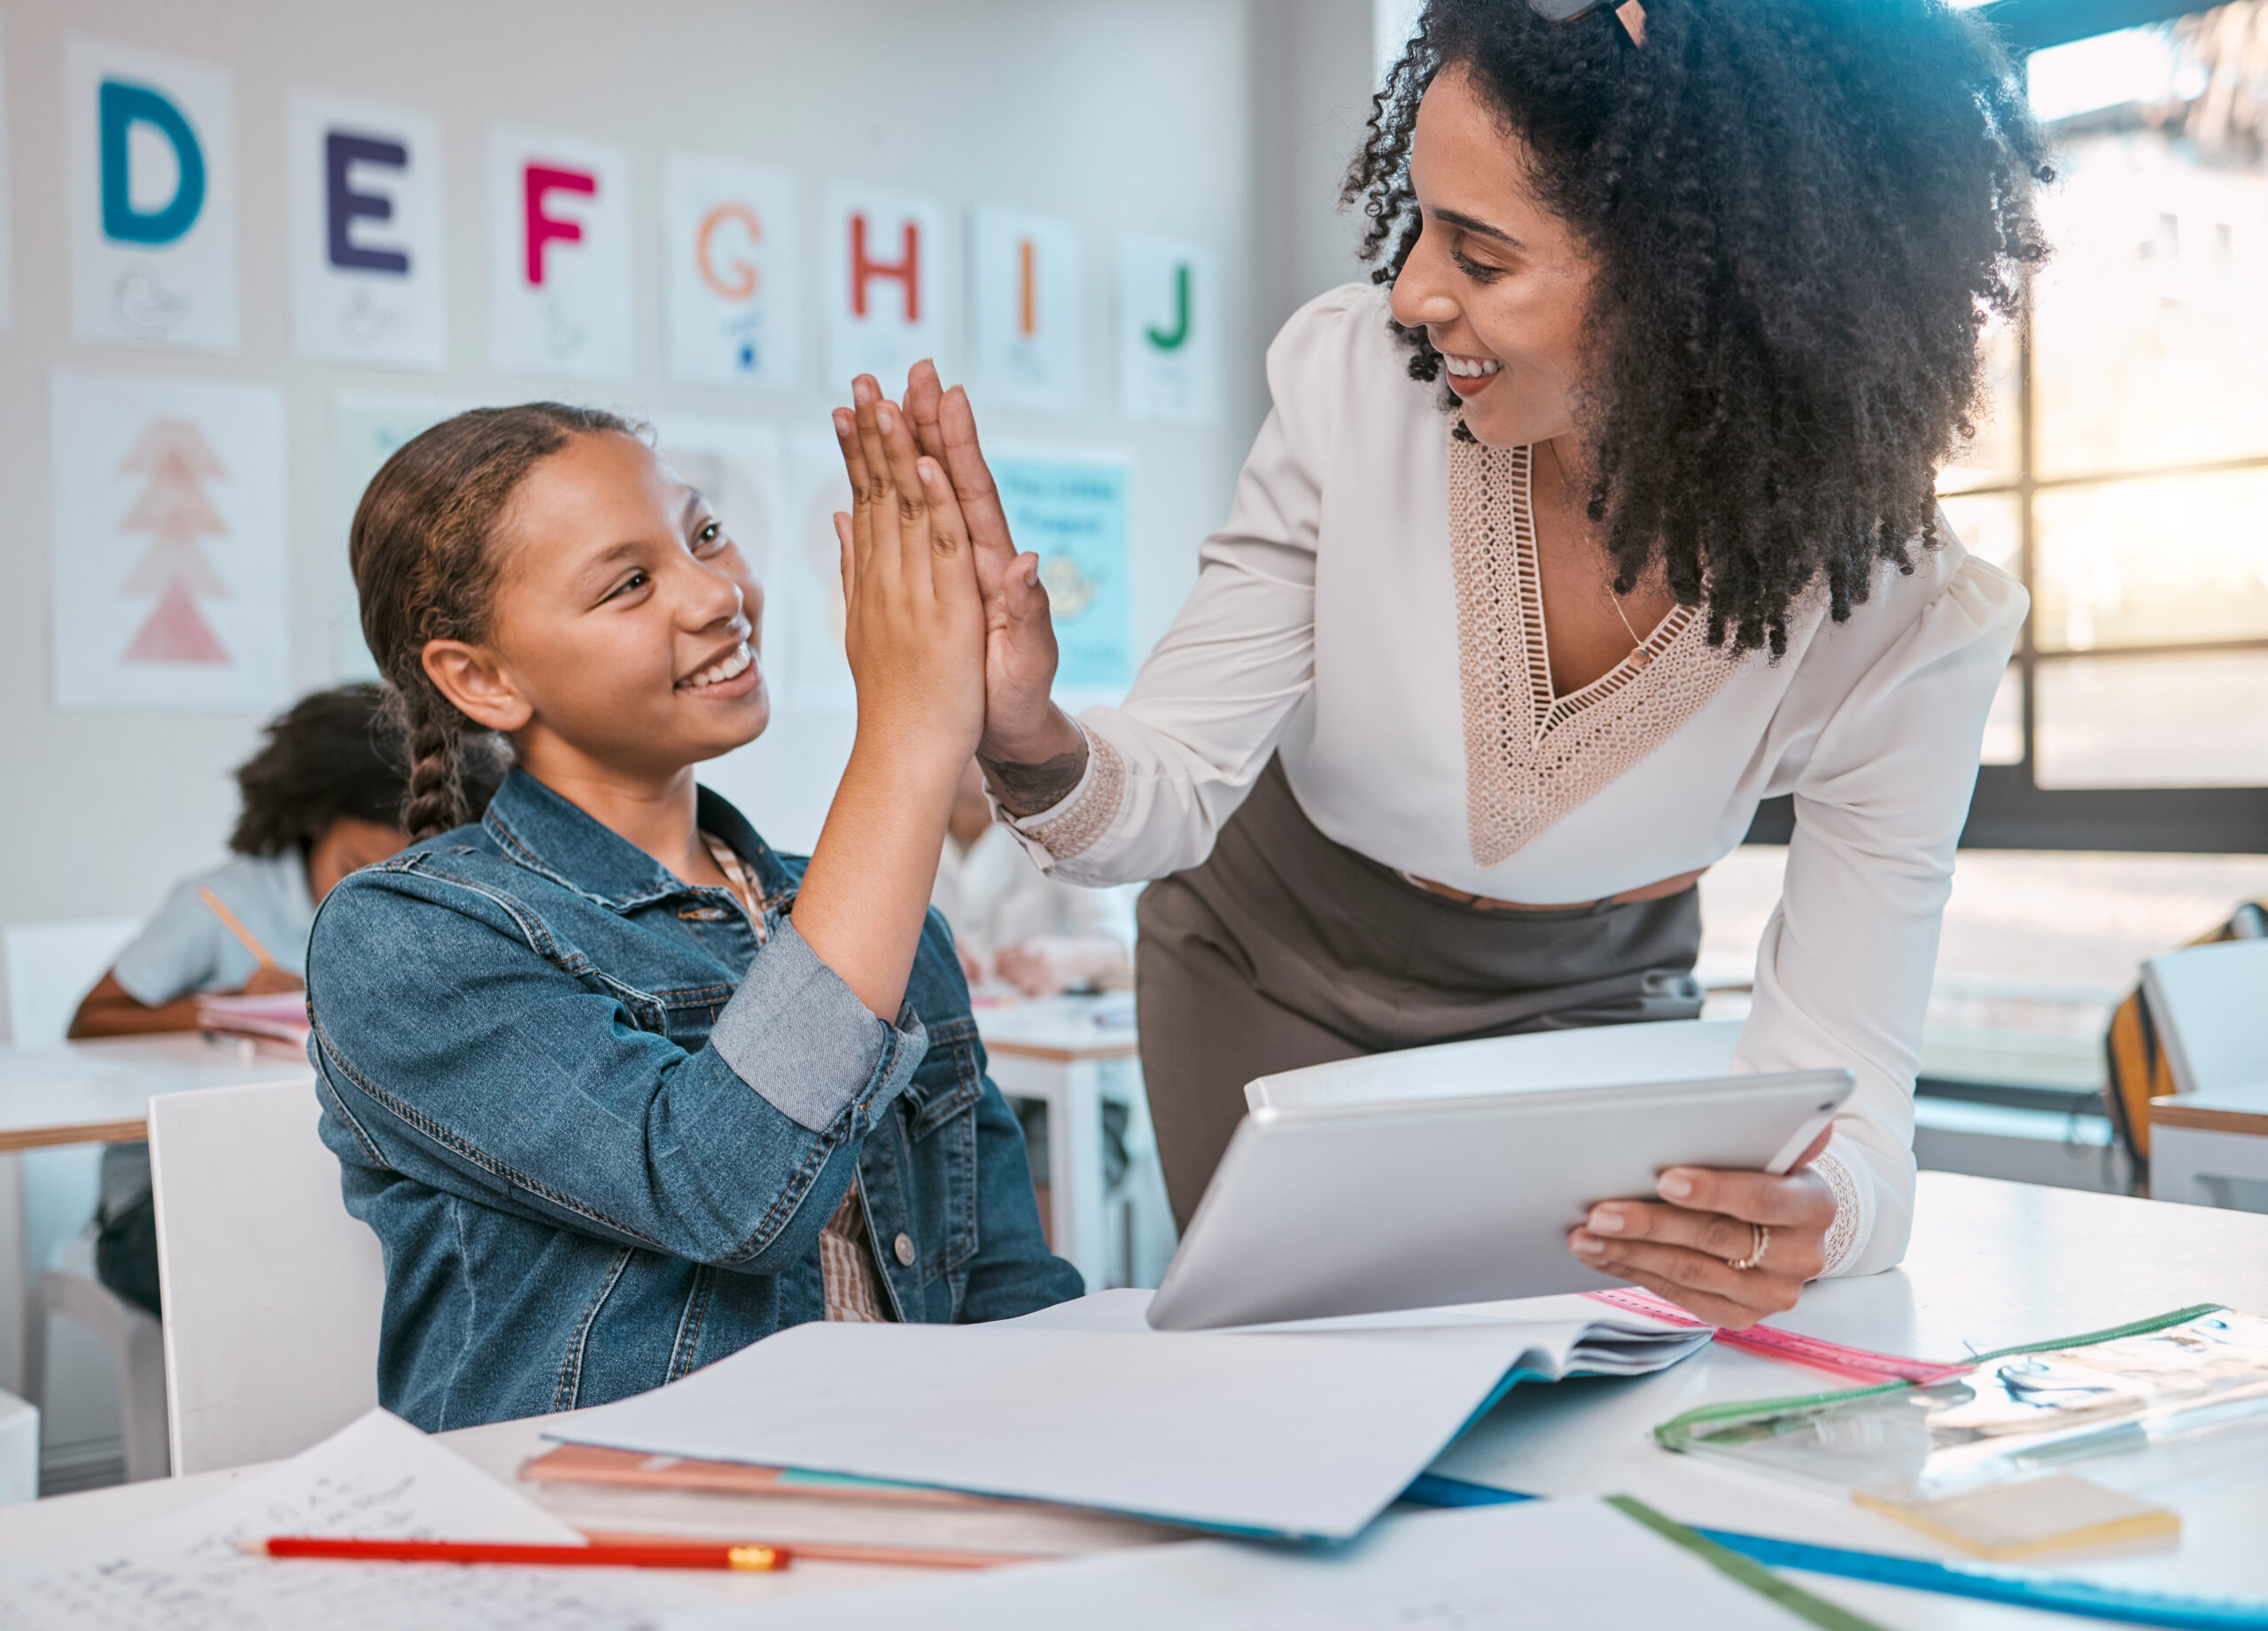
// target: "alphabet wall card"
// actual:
[[366, 274], [1168, 331], [367, 426], [734, 463], [558, 254], [150, 161], [168, 553], [804, 594], [732, 261], [886, 297], [1027, 319], [1070, 509]]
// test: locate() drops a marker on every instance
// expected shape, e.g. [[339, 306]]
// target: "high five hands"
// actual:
[[921, 471], [1032, 752]]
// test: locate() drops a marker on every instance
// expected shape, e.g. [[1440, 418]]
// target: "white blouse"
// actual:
[[1336, 620]]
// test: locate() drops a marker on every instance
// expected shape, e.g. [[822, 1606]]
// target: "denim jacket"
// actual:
[[597, 1125]]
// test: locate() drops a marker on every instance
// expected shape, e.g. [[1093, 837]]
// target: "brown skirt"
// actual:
[[1285, 949]]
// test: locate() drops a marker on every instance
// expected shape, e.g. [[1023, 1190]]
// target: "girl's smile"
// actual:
[[733, 675]]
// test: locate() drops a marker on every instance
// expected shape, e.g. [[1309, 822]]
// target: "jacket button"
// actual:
[[902, 1248]]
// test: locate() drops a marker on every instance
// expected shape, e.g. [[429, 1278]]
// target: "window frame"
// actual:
[[2009, 811]]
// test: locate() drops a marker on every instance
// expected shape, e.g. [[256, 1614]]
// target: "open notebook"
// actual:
[[1554, 1337], [1307, 1430]]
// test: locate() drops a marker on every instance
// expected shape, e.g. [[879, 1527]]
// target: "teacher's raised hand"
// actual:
[[1032, 754], [1730, 1246]]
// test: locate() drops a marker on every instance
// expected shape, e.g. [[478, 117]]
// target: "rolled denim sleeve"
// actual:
[[797, 1035], [461, 1046]]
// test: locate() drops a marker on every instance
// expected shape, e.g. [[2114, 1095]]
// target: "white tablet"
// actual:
[[1354, 1209]]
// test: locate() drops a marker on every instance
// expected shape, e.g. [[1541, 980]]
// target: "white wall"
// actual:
[[1124, 115]]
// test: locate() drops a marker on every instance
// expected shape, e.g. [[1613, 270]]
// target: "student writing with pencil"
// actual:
[[322, 798], [620, 1089]]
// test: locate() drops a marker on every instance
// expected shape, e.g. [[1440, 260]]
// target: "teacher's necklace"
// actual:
[[1640, 657]]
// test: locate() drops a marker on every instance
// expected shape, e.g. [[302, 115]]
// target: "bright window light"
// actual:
[[2134, 64]]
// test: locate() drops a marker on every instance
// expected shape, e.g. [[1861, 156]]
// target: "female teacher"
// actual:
[[1608, 515]]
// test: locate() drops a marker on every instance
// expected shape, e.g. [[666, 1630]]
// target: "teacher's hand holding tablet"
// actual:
[[1731, 1246]]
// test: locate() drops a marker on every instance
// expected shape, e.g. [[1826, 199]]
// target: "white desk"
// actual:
[[1992, 1263], [1068, 1052], [2199, 1138], [96, 1092]]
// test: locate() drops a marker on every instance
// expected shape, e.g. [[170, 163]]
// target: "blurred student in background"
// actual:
[[322, 798], [1013, 922]]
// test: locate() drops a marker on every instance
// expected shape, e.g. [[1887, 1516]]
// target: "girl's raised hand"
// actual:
[[913, 624], [1020, 653]]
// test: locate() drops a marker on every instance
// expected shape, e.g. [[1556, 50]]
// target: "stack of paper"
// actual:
[[823, 1515], [1309, 1431]]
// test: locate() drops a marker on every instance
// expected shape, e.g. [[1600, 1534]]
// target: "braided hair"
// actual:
[[424, 571], [1802, 212]]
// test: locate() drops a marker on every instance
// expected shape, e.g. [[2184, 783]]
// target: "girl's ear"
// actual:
[[471, 678]]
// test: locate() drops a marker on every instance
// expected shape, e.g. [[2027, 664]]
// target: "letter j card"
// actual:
[[150, 163], [367, 276]]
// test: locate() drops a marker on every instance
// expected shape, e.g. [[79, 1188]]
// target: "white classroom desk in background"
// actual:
[[1992, 1263], [96, 1092], [1068, 1052]]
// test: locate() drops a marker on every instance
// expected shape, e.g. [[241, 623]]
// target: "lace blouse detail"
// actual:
[[1074, 827], [1843, 1233], [1530, 757]]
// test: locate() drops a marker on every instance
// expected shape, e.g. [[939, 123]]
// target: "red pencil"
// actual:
[[668, 1555]]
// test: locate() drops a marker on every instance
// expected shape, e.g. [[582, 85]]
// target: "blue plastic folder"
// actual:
[[2063, 1596]]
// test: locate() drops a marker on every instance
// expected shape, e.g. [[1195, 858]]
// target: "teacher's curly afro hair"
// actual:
[[1803, 212]]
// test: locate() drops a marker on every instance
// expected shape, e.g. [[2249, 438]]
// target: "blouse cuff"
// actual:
[[1848, 1229], [1073, 823]]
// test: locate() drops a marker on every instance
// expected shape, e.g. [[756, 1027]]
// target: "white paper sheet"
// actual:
[[1547, 1565], [379, 1478], [1309, 1436]]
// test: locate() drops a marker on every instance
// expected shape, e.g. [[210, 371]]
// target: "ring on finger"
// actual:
[[1760, 1242]]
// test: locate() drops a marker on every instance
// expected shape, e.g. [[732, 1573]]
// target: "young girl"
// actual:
[[620, 1090]]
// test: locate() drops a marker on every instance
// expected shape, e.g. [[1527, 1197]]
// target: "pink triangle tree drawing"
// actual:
[[174, 457]]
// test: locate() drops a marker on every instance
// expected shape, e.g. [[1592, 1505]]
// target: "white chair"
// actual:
[[50, 967], [2209, 1005], [135, 1342], [1595, 1056], [273, 1291], [2208, 1143]]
